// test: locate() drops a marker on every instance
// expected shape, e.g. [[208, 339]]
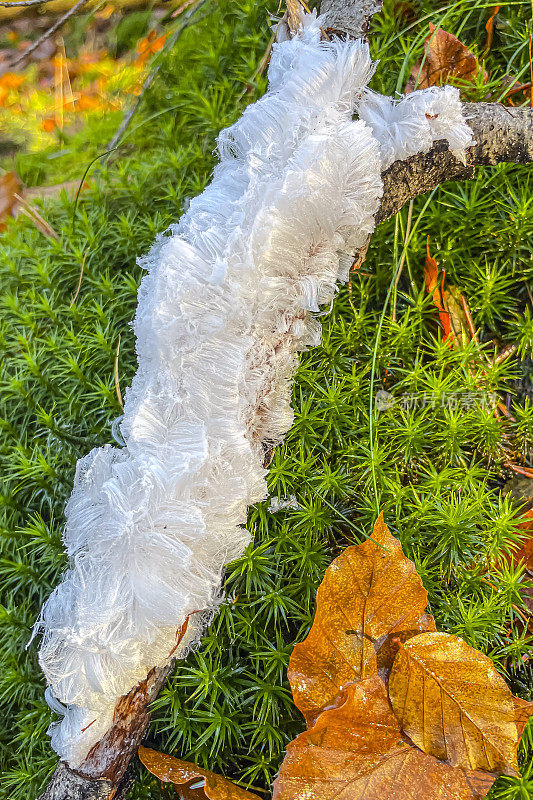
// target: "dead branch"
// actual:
[[47, 34], [24, 3], [349, 18], [103, 774], [503, 135]]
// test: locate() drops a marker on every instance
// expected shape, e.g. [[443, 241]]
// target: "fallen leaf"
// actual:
[[8, 82], [355, 751], [458, 323], [148, 46], [431, 275], [453, 704], [524, 555], [9, 186], [489, 27], [449, 303], [370, 594], [194, 783], [446, 59]]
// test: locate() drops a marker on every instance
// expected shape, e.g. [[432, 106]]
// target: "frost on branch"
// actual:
[[225, 307]]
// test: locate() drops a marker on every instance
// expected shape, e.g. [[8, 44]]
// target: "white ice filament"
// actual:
[[223, 311]]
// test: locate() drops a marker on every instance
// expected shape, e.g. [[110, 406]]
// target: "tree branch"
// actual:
[[349, 18], [103, 774], [46, 35], [502, 135]]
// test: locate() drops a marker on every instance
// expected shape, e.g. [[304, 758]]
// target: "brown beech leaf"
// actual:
[[370, 594], [192, 782], [524, 554], [355, 751], [445, 58], [431, 275], [452, 703]]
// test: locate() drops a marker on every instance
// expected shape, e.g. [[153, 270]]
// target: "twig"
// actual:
[[46, 35], [469, 320], [39, 222], [128, 116], [293, 15], [24, 3], [520, 88], [260, 67], [531, 74], [526, 471]]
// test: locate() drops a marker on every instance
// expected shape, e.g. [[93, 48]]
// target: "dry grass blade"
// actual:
[[117, 381], [78, 287], [36, 218]]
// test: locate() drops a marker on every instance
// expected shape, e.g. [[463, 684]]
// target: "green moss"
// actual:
[[438, 465]]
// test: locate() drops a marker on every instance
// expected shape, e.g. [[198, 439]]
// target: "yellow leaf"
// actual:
[[453, 704], [354, 751], [370, 594], [194, 782]]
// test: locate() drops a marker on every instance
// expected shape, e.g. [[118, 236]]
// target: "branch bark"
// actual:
[[104, 773], [502, 135], [349, 18]]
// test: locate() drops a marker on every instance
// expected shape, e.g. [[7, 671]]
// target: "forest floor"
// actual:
[[420, 411]]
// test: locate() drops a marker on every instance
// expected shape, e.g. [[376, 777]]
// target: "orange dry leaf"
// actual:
[[525, 554], [194, 783], [489, 27], [149, 45], [87, 102], [523, 711], [355, 751], [9, 186], [446, 60], [453, 704], [431, 273], [11, 80], [49, 124], [448, 301], [370, 594]]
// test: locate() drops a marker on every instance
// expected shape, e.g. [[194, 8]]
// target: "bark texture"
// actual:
[[502, 135], [349, 17], [68, 785], [103, 774]]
